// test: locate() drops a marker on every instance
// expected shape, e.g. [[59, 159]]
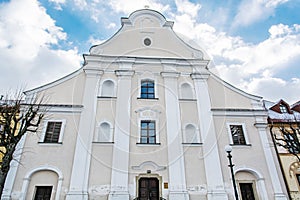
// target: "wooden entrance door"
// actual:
[[148, 189]]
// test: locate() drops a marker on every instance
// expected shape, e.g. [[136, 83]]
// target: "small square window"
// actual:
[[283, 108], [237, 133], [148, 132]]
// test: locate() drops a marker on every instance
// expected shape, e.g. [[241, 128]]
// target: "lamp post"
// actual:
[[228, 149]]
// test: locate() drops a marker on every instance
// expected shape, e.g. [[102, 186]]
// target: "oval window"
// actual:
[[147, 42]]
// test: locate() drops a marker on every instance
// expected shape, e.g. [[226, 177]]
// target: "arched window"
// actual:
[[190, 134], [186, 91], [147, 89], [104, 133], [107, 88]]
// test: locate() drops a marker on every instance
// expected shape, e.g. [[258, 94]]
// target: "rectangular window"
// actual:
[[247, 192], [148, 134], [237, 134], [291, 142], [52, 132], [147, 90], [43, 193]]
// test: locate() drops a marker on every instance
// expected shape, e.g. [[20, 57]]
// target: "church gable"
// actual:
[[146, 33]]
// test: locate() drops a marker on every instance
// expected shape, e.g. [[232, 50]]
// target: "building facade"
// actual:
[[284, 123], [145, 118]]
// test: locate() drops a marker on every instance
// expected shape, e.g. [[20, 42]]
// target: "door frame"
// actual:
[[159, 178]]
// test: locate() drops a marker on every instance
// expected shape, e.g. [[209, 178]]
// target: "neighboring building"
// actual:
[[5, 108], [145, 117], [283, 116]]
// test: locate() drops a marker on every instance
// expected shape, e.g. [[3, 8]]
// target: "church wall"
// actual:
[[223, 97]]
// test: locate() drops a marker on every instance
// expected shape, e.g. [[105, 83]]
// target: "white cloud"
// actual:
[[281, 30], [58, 3], [26, 36], [111, 25], [128, 6], [186, 7], [81, 4], [276, 88], [245, 65], [95, 41], [250, 11]]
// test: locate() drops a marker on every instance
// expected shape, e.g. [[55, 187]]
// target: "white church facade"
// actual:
[[146, 119]]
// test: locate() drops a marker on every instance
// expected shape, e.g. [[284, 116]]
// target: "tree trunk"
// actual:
[[8, 156]]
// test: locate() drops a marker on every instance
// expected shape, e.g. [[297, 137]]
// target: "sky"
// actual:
[[253, 44]]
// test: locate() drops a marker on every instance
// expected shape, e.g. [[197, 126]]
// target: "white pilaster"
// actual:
[[278, 192], [120, 163], [177, 181], [80, 171], [214, 176]]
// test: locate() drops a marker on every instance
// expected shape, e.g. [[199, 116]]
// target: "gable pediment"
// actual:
[[147, 33]]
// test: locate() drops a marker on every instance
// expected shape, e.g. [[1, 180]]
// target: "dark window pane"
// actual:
[[43, 193], [52, 132], [247, 191], [237, 134]]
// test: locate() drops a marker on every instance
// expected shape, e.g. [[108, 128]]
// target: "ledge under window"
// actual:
[[148, 98], [148, 144], [241, 145], [192, 144], [50, 143], [104, 97], [187, 99], [102, 142]]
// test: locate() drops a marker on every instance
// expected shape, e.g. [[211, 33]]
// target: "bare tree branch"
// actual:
[[16, 119]]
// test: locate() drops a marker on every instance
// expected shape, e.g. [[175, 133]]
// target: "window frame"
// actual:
[[292, 142], [247, 143], [147, 81], [283, 108], [43, 186], [148, 114], [148, 129], [61, 133], [253, 187]]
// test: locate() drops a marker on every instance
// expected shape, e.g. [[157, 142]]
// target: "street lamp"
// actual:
[[228, 149]]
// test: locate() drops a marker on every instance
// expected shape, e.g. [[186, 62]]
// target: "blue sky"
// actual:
[[254, 44]]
